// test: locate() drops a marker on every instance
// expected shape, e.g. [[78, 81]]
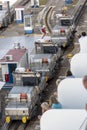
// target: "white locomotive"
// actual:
[[24, 98], [45, 59], [63, 33]]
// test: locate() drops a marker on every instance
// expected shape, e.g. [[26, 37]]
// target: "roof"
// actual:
[[19, 7], [16, 105], [16, 53], [56, 27], [21, 89], [40, 56], [7, 43]]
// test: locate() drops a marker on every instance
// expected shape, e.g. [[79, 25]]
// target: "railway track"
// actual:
[[14, 125], [24, 2], [47, 18], [6, 126], [51, 6]]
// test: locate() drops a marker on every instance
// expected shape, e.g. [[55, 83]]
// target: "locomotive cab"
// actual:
[[48, 48], [63, 32], [23, 99], [29, 78], [25, 95], [66, 21], [21, 102], [44, 64]]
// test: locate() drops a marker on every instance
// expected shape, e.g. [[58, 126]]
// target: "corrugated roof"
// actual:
[[16, 53], [8, 43]]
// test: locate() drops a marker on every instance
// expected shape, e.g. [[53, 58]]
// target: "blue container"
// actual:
[[19, 15], [68, 1], [29, 31]]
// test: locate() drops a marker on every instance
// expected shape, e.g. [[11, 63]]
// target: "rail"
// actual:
[[47, 19], [6, 126], [13, 125], [24, 2]]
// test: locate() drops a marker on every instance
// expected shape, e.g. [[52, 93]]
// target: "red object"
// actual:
[[7, 78], [62, 31], [28, 70], [23, 96], [44, 60], [44, 32]]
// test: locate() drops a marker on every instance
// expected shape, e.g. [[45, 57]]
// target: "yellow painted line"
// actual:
[[20, 25], [37, 25], [42, 6], [2, 36], [27, 35], [38, 34], [70, 55], [52, 6], [33, 35]]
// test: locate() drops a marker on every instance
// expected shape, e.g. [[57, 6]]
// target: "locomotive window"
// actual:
[[23, 111], [66, 22], [30, 81], [50, 49], [27, 22], [0, 7], [36, 64]]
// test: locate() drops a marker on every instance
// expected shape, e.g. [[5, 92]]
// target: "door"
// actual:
[[22, 15], [11, 68]]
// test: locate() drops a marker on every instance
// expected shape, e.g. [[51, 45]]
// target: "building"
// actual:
[[14, 58]]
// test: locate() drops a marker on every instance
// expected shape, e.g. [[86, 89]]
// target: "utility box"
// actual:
[[28, 24], [68, 1], [13, 59], [19, 14], [35, 3]]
